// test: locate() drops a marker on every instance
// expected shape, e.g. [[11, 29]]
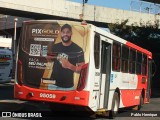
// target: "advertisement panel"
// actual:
[[54, 54]]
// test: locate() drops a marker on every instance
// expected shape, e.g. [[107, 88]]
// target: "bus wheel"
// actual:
[[140, 102], [115, 106]]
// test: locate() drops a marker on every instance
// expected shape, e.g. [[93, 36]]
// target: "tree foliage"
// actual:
[[145, 36]]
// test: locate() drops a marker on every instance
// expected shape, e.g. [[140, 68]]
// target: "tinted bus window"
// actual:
[[138, 63], [96, 50], [125, 58], [132, 61], [144, 65], [116, 56]]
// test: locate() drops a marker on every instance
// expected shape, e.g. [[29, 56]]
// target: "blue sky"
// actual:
[[119, 4]]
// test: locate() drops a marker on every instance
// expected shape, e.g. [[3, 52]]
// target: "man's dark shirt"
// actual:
[[74, 54]]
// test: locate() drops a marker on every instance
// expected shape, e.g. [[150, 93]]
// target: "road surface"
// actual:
[[8, 103]]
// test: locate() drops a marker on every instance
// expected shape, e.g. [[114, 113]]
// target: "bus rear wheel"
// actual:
[[115, 106]]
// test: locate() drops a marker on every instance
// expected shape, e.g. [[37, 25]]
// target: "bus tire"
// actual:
[[115, 106], [140, 102]]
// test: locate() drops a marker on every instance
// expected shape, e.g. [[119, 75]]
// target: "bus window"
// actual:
[[132, 61], [138, 63], [116, 56], [96, 50], [125, 58], [144, 64]]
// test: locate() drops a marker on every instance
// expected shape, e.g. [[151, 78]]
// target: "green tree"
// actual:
[[145, 36]]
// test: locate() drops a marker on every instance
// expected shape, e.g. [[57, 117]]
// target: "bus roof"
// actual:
[[59, 21]]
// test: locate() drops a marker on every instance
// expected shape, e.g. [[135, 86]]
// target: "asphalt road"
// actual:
[[8, 103]]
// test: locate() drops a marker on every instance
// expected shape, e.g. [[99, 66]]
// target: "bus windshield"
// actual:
[[54, 54]]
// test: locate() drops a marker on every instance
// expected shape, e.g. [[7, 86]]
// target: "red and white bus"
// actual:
[[115, 73]]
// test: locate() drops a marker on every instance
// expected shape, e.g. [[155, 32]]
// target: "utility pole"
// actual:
[[14, 41], [83, 9]]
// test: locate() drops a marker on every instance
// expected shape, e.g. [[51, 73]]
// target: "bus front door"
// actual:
[[105, 74]]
